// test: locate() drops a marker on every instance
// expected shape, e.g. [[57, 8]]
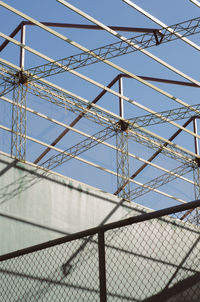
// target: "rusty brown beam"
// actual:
[[96, 27], [160, 80], [79, 26], [100, 95], [76, 120], [12, 35]]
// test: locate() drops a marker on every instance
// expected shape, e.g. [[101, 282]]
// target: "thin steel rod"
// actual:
[[121, 101], [22, 50], [196, 141], [110, 226]]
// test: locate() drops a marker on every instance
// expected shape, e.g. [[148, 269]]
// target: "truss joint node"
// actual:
[[158, 37], [22, 77], [123, 126], [197, 161]]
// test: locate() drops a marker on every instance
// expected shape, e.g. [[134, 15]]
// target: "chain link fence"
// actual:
[[150, 257]]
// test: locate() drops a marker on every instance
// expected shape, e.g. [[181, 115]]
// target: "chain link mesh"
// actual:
[[152, 260], [66, 272]]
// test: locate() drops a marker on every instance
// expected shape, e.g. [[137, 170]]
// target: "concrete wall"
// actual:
[[50, 201]]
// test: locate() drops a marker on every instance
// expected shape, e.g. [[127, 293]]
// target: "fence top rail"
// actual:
[[103, 228]]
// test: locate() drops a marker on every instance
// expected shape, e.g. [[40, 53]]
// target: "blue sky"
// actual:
[[110, 12]]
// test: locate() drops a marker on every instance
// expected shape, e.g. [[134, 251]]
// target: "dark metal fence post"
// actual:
[[102, 267]]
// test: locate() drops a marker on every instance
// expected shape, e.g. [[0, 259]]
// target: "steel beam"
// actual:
[[12, 35], [84, 161], [79, 26], [160, 181], [135, 174], [104, 117], [112, 91], [123, 39], [51, 92], [93, 138], [79, 148], [75, 121], [168, 28], [197, 3], [123, 162], [195, 215], [22, 50], [77, 45], [186, 28]]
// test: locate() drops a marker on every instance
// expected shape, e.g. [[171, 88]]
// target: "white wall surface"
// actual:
[[52, 201]]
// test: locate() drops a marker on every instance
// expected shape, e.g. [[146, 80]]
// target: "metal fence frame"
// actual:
[[100, 231]]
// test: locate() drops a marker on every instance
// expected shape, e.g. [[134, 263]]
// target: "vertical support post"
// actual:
[[102, 266], [123, 184], [121, 101], [18, 138], [22, 50], [196, 142], [196, 172]]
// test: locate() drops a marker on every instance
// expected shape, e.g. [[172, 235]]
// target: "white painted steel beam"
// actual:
[[95, 165], [10, 64], [144, 131], [66, 39], [102, 86], [197, 3], [60, 150], [117, 117], [124, 39], [41, 115], [163, 25], [158, 145]]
